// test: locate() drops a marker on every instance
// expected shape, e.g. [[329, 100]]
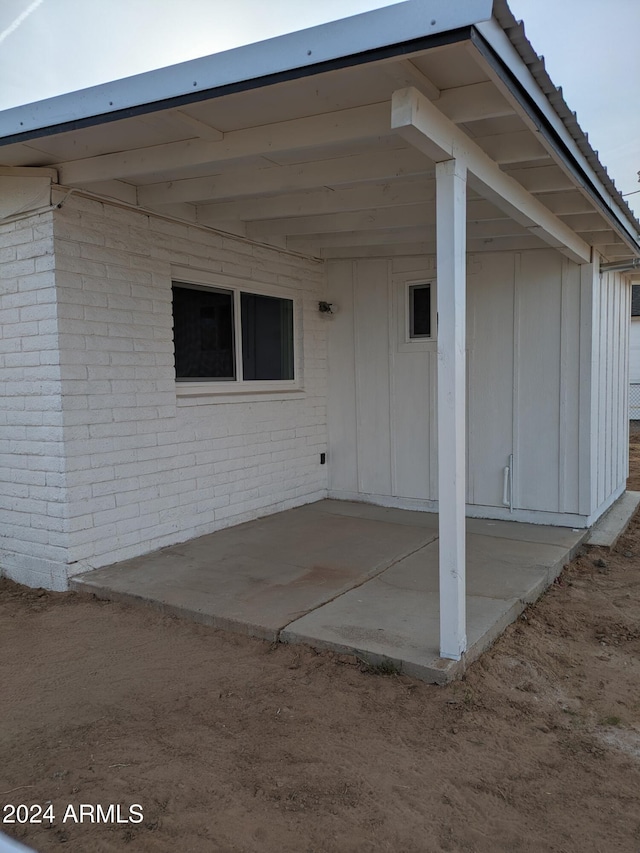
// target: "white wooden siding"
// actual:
[[634, 351], [490, 301], [611, 310], [634, 369], [373, 393], [524, 381]]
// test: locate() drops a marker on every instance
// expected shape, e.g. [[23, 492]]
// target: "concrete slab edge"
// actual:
[[438, 671], [610, 527], [221, 623]]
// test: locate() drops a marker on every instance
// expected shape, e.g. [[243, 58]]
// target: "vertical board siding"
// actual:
[[373, 403], [570, 389], [413, 421], [490, 376], [538, 376], [342, 421], [530, 360], [412, 424], [611, 294]]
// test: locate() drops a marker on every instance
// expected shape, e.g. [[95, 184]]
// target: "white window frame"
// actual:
[[226, 388], [423, 343]]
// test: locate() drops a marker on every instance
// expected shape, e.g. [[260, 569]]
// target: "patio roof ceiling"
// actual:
[[307, 159]]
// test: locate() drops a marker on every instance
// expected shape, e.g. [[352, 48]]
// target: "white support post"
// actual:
[[451, 194]]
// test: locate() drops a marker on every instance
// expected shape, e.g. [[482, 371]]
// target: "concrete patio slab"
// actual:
[[351, 577], [256, 578], [394, 617]]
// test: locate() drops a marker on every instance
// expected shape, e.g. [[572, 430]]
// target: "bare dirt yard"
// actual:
[[229, 744]]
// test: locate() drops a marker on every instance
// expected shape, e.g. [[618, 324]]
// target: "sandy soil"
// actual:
[[229, 744]]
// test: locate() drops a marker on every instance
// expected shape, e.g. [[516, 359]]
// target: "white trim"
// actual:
[[433, 319], [402, 283], [200, 393], [229, 390]]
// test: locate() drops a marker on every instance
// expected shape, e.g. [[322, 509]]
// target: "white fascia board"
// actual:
[[496, 37], [391, 25]]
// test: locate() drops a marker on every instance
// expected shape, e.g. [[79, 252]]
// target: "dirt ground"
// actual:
[[229, 744]]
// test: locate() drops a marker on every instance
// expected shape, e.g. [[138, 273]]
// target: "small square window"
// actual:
[[420, 311]]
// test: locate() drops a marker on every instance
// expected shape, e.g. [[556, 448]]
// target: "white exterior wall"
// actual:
[[33, 543], [610, 384], [145, 467], [524, 385], [634, 351], [634, 369]]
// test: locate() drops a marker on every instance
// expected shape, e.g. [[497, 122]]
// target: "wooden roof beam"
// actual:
[[391, 194], [408, 216], [358, 123], [375, 167], [420, 123]]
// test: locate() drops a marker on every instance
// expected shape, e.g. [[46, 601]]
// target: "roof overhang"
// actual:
[[290, 141], [392, 30]]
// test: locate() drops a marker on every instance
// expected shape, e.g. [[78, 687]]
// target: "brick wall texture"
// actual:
[[101, 459]]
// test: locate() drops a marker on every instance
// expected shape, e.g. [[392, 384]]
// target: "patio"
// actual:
[[350, 577]]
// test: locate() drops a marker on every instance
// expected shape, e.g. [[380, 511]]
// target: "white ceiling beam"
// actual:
[[387, 250], [586, 222], [401, 217], [482, 233], [601, 238], [313, 131], [423, 125], [409, 216], [426, 247], [461, 104], [507, 148], [542, 179], [478, 101], [181, 121], [326, 201], [566, 203], [312, 243], [317, 202], [375, 167], [613, 251], [405, 73], [29, 172]]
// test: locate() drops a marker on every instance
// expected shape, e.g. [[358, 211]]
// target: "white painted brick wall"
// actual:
[[33, 518], [146, 468]]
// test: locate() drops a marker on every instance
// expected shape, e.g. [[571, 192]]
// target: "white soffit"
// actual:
[[370, 31]]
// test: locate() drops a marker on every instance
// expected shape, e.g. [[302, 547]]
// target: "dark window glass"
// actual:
[[267, 337], [203, 333], [420, 310]]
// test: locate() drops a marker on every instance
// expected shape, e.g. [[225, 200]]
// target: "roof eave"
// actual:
[[296, 54]]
